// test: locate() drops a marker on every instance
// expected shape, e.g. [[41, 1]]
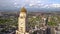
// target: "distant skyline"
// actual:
[[17, 4]]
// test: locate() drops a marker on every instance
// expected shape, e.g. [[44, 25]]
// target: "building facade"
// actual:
[[22, 22]]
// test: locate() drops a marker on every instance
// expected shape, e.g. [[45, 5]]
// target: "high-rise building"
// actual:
[[22, 22]]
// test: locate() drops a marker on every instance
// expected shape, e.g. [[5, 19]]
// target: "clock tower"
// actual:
[[22, 22]]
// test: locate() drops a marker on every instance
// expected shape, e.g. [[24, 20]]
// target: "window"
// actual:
[[21, 17]]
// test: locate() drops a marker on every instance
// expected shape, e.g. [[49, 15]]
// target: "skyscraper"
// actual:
[[22, 22]]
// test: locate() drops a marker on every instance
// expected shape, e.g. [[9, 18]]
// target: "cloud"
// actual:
[[52, 6], [41, 4], [45, 5], [32, 2], [29, 3], [35, 3], [55, 5]]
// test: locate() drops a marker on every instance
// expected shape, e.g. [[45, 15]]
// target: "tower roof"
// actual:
[[23, 10]]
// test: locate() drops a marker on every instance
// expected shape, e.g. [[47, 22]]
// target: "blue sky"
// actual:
[[16, 4]]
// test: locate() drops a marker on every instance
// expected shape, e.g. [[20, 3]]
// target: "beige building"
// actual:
[[22, 22]]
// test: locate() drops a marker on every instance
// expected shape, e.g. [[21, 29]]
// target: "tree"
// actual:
[[32, 21]]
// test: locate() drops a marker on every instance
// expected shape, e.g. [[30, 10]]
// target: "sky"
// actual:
[[17, 4]]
